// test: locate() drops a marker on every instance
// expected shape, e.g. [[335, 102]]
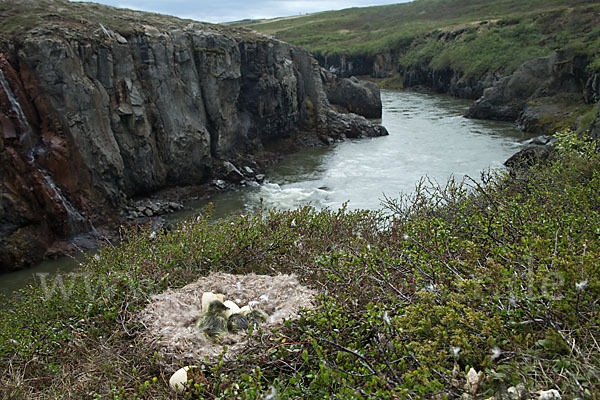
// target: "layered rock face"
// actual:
[[91, 117], [544, 89], [386, 65], [346, 66], [447, 81], [542, 95]]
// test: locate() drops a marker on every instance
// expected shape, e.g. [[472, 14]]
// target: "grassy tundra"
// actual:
[[476, 36]]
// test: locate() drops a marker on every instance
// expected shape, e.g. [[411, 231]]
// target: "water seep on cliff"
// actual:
[[99, 105]]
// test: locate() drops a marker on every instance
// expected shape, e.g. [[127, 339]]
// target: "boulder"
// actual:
[[352, 126], [231, 173], [534, 150], [219, 184], [353, 95]]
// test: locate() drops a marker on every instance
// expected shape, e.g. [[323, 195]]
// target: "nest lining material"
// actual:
[[171, 315]]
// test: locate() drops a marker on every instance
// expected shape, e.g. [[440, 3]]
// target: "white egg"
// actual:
[[233, 308], [207, 298], [245, 310], [178, 381]]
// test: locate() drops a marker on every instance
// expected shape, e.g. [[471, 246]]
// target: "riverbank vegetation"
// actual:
[[499, 275], [465, 36]]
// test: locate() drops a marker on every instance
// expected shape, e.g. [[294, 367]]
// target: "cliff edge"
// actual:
[[100, 104]]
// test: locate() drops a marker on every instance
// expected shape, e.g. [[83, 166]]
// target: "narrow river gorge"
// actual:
[[429, 137]]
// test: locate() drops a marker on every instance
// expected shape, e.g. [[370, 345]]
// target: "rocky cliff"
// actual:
[[352, 95], [387, 65], [542, 95], [100, 104]]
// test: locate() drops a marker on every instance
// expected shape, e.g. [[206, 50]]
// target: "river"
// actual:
[[429, 137]]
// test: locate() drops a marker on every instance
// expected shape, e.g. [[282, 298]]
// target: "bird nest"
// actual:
[[171, 315]]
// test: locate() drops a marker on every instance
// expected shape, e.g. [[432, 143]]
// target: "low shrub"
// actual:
[[498, 274]]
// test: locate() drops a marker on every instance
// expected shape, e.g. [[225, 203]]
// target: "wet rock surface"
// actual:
[[95, 114], [342, 126], [149, 208]]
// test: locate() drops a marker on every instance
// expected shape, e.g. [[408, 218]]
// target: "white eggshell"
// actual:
[[245, 310], [207, 298], [233, 308], [551, 394], [178, 381]]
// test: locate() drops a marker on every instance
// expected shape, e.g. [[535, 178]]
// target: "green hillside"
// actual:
[[469, 36]]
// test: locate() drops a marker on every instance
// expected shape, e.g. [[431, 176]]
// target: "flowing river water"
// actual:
[[429, 137]]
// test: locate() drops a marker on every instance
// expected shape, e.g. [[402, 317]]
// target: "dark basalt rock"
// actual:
[[507, 98], [352, 126], [149, 208], [539, 94], [353, 95], [534, 150]]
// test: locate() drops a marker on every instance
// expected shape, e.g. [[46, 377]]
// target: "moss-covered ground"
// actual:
[[499, 274]]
